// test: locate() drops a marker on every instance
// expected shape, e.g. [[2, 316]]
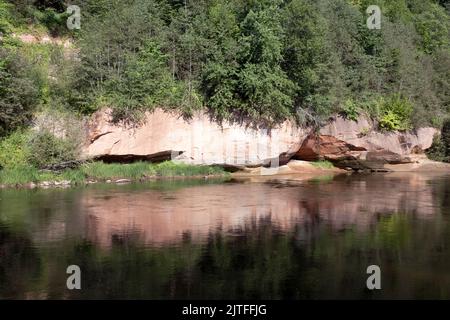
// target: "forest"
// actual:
[[251, 61]]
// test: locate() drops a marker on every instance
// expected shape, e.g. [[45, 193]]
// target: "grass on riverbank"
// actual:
[[100, 171], [323, 164]]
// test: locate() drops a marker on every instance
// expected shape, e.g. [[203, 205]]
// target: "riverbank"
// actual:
[[293, 167], [99, 172]]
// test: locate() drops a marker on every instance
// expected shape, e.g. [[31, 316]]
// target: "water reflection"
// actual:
[[269, 239]]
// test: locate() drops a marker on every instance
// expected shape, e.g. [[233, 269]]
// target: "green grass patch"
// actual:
[[169, 168], [19, 175], [100, 171], [323, 164], [27, 174], [103, 171], [74, 175]]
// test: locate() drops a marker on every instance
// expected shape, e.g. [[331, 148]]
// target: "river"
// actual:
[[270, 239]]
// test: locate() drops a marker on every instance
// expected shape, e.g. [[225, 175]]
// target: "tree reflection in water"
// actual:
[[322, 253]]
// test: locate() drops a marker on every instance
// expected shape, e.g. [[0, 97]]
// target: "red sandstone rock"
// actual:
[[386, 156], [201, 141], [346, 155], [163, 135], [319, 147]]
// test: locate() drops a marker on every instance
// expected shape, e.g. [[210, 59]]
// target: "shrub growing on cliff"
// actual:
[[350, 110], [437, 150], [14, 151], [446, 136], [395, 114], [440, 150], [47, 149], [19, 91], [5, 17]]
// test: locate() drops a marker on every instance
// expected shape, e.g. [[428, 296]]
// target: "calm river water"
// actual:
[[270, 239]]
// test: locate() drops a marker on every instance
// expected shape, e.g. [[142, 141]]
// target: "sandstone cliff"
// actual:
[[201, 141]]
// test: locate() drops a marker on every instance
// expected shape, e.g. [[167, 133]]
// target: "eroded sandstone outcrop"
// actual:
[[356, 145], [198, 140], [361, 133], [346, 155], [163, 135], [324, 147]]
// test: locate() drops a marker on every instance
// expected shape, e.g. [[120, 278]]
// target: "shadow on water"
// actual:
[[279, 239]]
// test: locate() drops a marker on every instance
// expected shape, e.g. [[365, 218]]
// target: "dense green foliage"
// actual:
[[257, 62], [47, 149], [36, 149], [395, 113], [14, 151], [440, 150], [245, 60], [19, 94]]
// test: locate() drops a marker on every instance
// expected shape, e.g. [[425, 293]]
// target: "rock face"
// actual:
[[198, 140], [345, 155], [324, 147], [356, 145], [202, 141], [361, 133]]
